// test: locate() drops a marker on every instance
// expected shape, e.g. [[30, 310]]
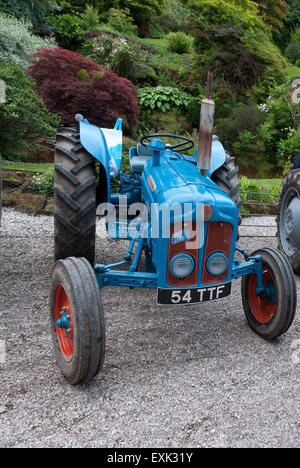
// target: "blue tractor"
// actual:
[[180, 211]]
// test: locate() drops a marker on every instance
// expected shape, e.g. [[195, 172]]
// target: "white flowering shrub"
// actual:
[[18, 43]]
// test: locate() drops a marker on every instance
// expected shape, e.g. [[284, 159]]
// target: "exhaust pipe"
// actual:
[[206, 128]]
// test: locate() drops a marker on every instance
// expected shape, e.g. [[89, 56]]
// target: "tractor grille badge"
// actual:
[[151, 183], [181, 236]]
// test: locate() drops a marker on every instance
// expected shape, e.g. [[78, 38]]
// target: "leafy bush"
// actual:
[[44, 183], [91, 17], [142, 12], [293, 49], [274, 72], [101, 98], [17, 43], [68, 27], [254, 190], [34, 11], [174, 16], [121, 21], [280, 126], [105, 47], [24, 118], [163, 99], [124, 57], [179, 42]]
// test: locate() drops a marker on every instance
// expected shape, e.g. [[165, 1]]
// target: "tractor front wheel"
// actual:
[[271, 314], [77, 320]]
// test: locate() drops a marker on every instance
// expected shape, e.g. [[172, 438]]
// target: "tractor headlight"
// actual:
[[217, 264], [182, 266]]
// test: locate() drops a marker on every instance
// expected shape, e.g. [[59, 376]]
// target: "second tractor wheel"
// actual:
[[74, 197], [271, 313], [288, 219], [227, 178]]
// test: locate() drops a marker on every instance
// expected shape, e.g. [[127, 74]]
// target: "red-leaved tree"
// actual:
[[71, 84]]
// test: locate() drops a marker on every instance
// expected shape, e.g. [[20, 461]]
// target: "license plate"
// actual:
[[192, 296]]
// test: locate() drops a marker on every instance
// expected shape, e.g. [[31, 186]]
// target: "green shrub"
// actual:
[[68, 28], [91, 17], [34, 11], [254, 190], [274, 72], [141, 11], [121, 21], [105, 47], [293, 49], [174, 16], [44, 183], [179, 43], [24, 118], [163, 99], [18, 43]]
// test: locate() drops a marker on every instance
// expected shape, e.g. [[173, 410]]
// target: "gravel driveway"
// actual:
[[173, 377]]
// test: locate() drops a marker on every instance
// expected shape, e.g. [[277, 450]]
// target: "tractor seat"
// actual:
[[138, 161]]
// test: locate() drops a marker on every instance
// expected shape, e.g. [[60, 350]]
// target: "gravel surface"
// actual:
[[173, 377]]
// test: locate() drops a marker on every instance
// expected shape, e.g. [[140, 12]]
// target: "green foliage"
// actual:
[[252, 189], [68, 28], [24, 118], [293, 49], [220, 17], [274, 13], [275, 69], [91, 17], [141, 12], [121, 21], [44, 183], [179, 42], [163, 99], [18, 43], [83, 75], [34, 11], [174, 16], [281, 123], [123, 56]]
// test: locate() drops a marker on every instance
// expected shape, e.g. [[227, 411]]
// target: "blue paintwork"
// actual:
[[168, 178], [100, 144], [63, 322]]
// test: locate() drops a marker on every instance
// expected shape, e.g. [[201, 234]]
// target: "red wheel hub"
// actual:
[[262, 309], [62, 308]]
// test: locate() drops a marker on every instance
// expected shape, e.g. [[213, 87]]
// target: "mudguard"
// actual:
[[218, 156], [105, 145]]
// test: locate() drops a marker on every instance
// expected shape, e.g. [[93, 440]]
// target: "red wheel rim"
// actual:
[[65, 339], [261, 308]]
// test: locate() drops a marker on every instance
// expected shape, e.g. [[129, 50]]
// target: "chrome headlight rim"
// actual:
[[182, 256]]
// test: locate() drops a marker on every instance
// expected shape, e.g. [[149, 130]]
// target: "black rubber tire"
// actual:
[[80, 284], [291, 181], [74, 198], [286, 292], [227, 178]]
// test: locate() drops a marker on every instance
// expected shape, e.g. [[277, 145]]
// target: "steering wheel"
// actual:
[[186, 144]]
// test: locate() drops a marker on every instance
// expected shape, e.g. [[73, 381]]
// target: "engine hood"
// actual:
[[178, 181]]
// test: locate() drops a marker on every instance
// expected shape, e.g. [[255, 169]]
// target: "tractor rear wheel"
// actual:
[[77, 320], [288, 219], [227, 178], [74, 197]]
